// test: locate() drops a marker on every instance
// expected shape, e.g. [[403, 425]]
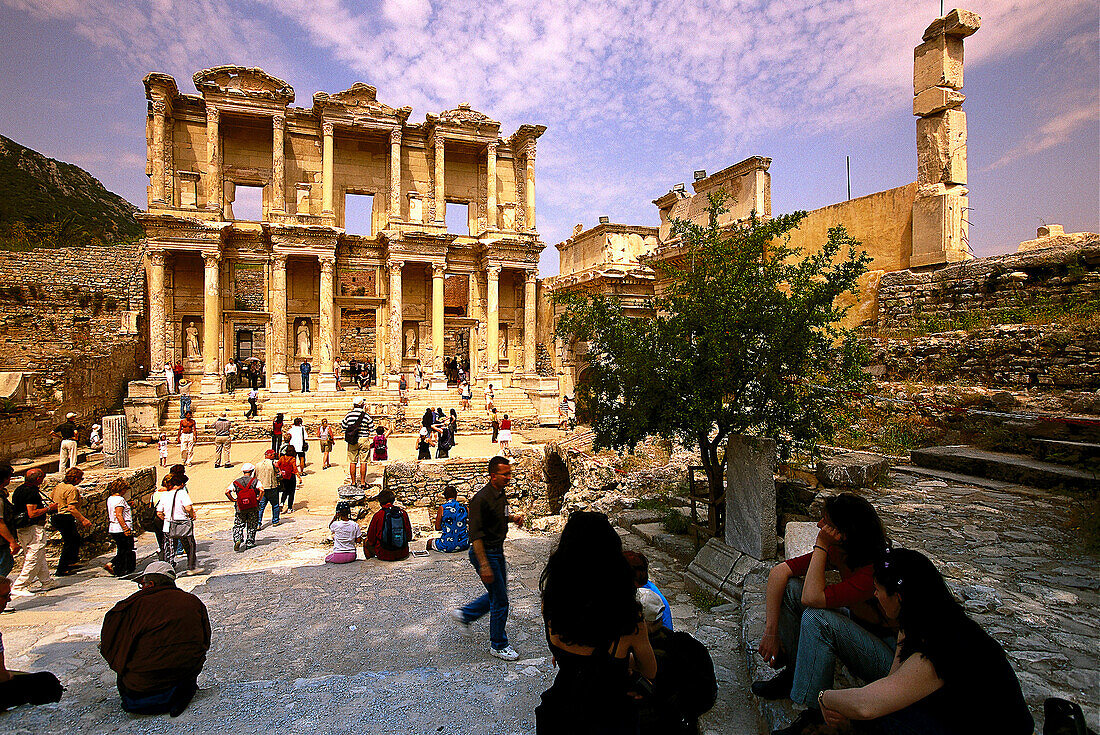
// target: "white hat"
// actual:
[[248, 467], [359, 401], [653, 607], [70, 415], [162, 568], [95, 426]]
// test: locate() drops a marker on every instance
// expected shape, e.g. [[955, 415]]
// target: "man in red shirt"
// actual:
[[389, 539]]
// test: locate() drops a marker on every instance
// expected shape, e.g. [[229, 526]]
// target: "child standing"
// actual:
[[162, 447]]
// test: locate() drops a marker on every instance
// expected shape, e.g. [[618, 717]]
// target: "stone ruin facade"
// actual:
[[292, 282]]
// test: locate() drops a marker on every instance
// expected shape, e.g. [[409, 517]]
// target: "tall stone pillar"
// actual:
[[530, 156], [491, 186], [280, 382], [326, 168], [326, 381], [116, 442], [157, 297], [395, 174], [156, 155], [395, 353], [492, 323], [439, 379], [529, 323], [211, 324], [440, 202], [380, 347], [213, 160], [278, 163]]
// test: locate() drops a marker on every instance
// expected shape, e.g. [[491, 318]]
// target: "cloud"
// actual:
[[1053, 133]]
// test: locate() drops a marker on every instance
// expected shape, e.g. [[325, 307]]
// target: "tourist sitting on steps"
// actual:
[[452, 520], [639, 565], [805, 630], [18, 687], [389, 532], [948, 676], [156, 641], [345, 534]]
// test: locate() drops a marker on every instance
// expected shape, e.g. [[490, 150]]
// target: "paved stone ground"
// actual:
[[300, 647]]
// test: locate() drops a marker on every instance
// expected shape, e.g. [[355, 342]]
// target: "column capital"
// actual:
[[529, 150], [278, 260], [493, 271], [439, 271], [278, 122], [530, 276], [395, 136], [438, 140], [157, 257], [328, 262], [327, 128], [491, 148], [213, 114], [211, 260], [395, 266], [159, 107]]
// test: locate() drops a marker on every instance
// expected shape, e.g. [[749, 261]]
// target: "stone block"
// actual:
[[750, 496], [957, 23], [854, 469], [939, 232], [938, 63], [941, 148], [937, 99], [799, 538], [713, 565], [146, 389]]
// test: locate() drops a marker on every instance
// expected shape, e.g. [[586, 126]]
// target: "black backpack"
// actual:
[[393, 529], [351, 434]]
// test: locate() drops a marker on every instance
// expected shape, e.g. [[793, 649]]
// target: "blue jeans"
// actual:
[[495, 599], [818, 637], [7, 563], [270, 496]]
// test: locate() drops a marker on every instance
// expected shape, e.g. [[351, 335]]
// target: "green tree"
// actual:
[[744, 332]]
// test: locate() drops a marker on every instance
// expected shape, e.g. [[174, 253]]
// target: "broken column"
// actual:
[[939, 211], [116, 442]]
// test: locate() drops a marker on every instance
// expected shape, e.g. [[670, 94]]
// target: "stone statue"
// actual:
[[410, 342], [504, 345], [191, 337], [303, 339]]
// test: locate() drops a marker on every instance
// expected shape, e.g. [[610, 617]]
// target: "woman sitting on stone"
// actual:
[[345, 534], [451, 520], [948, 677], [809, 623]]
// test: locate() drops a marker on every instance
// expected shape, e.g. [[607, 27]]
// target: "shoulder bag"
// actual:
[[178, 529]]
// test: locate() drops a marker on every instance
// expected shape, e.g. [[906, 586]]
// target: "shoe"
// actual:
[[250, 546], [275, 523], [504, 654], [463, 623], [218, 465], [236, 546], [227, 465], [804, 723], [22, 593], [778, 687]]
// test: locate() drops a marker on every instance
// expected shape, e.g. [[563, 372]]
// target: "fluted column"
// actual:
[[529, 323], [326, 168], [491, 186], [395, 352], [440, 202], [156, 155], [157, 347], [395, 174], [211, 323], [530, 151], [326, 381], [438, 274], [278, 163], [280, 382], [492, 319], [213, 160]]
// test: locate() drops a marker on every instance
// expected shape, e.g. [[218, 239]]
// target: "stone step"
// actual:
[[1015, 468]]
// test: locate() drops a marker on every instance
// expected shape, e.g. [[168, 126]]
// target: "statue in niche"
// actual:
[[303, 340], [191, 340], [410, 342], [504, 344]]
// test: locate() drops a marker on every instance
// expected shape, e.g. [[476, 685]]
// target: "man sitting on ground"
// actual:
[[389, 532], [17, 687], [639, 564], [156, 641], [451, 519]]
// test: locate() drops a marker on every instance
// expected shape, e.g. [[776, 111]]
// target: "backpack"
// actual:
[[286, 469], [393, 529], [351, 434], [247, 495]]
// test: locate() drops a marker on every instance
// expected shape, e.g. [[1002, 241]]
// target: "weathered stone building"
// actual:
[[292, 282]]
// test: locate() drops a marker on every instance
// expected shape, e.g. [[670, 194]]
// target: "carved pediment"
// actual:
[[361, 97], [464, 116], [243, 81]]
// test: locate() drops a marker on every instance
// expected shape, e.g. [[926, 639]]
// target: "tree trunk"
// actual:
[[708, 452]]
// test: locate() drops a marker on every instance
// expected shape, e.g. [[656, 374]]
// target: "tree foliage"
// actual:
[[744, 333]]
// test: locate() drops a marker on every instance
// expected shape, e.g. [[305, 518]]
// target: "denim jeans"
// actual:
[[7, 562], [155, 703], [818, 637], [495, 599], [270, 497]]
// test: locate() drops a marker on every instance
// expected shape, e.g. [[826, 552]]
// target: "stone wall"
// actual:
[[26, 433]]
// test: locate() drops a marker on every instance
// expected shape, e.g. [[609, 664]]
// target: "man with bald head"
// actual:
[[29, 503]]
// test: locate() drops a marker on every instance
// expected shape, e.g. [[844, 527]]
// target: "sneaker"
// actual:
[[778, 687], [807, 721], [463, 623], [505, 654], [275, 523], [22, 593], [236, 546]]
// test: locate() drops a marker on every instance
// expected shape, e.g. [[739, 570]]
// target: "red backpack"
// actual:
[[248, 496]]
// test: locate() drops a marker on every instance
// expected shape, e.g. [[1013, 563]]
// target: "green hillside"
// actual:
[[50, 203]]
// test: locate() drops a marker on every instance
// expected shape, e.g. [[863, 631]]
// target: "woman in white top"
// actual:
[[345, 532], [489, 397], [121, 529], [175, 505], [298, 442]]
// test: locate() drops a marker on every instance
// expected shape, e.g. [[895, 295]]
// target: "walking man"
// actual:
[[489, 521], [186, 437], [223, 439], [358, 427], [253, 409], [268, 477], [245, 493], [66, 432], [32, 537], [304, 369]]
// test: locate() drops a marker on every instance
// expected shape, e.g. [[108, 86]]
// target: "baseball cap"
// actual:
[[248, 467], [358, 401], [653, 607], [70, 415], [269, 454], [162, 568]]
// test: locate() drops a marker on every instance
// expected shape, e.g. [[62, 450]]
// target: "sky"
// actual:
[[635, 94]]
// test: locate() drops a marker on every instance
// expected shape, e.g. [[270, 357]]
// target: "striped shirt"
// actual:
[[366, 426]]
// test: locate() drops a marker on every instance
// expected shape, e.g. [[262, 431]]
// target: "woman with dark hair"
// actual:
[[948, 677], [809, 624], [277, 434], [594, 628], [452, 424]]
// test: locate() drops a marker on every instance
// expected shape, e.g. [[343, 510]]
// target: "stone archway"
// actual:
[[557, 481]]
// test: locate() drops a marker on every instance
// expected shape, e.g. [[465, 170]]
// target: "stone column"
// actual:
[[440, 202], [213, 161], [278, 163], [156, 155], [438, 274], [530, 156], [280, 382], [529, 323], [491, 186], [326, 168], [394, 353], [116, 442], [326, 381], [395, 174], [380, 348], [492, 322], [157, 347], [211, 324]]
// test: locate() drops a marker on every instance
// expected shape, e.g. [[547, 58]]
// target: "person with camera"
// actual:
[[31, 513]]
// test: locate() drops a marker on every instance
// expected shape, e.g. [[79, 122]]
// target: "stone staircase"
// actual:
[[1012, 468]]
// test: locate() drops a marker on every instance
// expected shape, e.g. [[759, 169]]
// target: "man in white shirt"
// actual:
[[268, 477], [230, 376]]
